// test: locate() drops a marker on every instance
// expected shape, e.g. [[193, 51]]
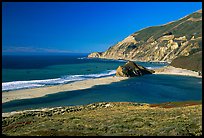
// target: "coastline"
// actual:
[[42, 91], [84, 84], [130, 60]]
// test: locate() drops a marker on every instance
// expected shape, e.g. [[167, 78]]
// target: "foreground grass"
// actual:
[[121, 119]]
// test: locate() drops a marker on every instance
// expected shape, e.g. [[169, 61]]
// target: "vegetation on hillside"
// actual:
[[191, 62], [182, 27]]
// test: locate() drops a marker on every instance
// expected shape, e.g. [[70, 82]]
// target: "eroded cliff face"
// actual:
[[159, 43]]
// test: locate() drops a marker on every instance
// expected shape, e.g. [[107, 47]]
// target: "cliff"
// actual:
[[159, 43]]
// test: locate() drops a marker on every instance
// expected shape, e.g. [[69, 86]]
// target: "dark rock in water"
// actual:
[[130, 69]]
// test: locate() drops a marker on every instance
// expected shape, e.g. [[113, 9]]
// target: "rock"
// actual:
[[95, 55], [130, 69]]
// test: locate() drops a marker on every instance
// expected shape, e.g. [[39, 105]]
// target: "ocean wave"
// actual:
[[14, 85]]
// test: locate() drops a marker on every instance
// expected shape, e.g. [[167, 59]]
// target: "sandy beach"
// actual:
[[170, 70], [42, 91]]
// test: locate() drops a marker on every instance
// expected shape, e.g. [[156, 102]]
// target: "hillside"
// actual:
[[159, 43], [191, 62]]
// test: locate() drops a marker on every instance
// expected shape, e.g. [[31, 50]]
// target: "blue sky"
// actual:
[[80, 27]]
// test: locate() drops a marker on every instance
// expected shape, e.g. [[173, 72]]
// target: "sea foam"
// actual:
[[14, 85]]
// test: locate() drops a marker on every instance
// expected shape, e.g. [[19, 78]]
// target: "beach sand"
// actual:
[[42, 91], [170, 70]]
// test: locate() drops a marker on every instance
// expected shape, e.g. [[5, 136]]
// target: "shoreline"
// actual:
[[170, 70], [84, 84], [42, 91], [131, 60]]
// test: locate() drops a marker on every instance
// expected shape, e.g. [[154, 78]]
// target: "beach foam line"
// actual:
[[15, 85], [156, 67], [42, 91]]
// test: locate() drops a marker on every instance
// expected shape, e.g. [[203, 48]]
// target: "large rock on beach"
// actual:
[[131, 69]]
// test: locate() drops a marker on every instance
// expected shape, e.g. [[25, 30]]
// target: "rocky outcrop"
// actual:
[[130, 69], [95, 55], [160, 43]]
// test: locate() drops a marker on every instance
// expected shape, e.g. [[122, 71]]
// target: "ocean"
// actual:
[[22, 72]]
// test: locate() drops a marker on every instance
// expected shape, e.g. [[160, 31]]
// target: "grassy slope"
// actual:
[[111, 119], [191, 62], [178, 28]]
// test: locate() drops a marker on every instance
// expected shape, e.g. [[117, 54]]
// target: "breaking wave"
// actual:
[[14, 85]]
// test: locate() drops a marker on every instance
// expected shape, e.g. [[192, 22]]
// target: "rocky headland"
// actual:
[[177, 42]]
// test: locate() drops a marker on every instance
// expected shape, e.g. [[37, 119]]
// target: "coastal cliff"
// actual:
[[159, 43]]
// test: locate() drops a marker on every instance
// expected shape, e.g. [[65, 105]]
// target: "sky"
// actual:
[[81, 27]]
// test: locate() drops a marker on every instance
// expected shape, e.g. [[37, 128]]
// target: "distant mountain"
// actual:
[[160, 43]]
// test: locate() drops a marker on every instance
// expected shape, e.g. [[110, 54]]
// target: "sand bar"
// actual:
[[42, 91], [170, 70]]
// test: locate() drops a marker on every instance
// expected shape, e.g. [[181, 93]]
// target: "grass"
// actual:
[[183, 27], [112, 119]]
